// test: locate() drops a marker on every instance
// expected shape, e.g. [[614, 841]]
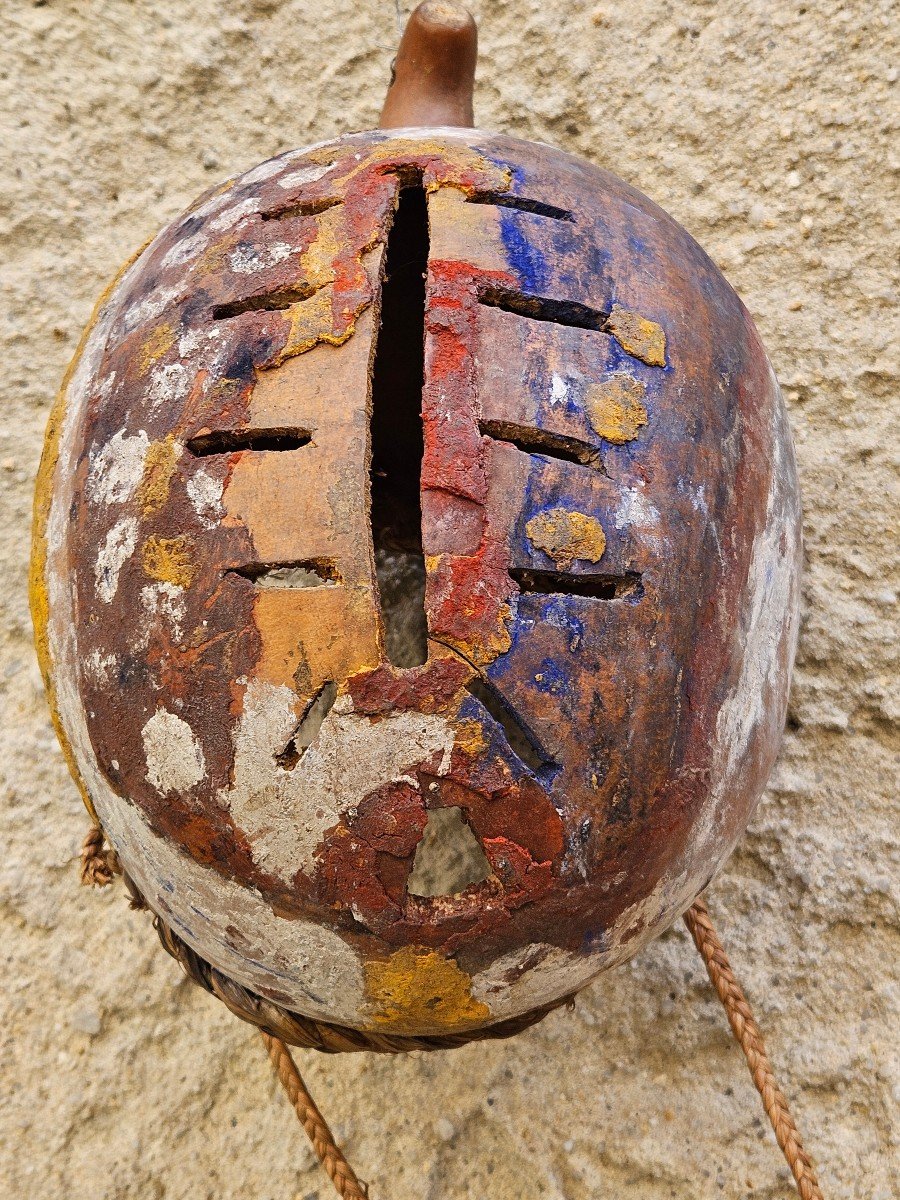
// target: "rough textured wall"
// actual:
[[765, 128]]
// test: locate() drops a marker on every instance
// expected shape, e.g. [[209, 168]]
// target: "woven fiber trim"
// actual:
[[298, 1030], [279, 1026]]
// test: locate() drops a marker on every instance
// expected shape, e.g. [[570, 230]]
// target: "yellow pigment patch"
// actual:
[[483, 651], [221, 390], [322, 156], [158, 342], [170, 560], [463, 232], [567, 536], [317, 261], [638, 336], [418, 989], [614, 408], [312, 321], [159, 466], [214, 258], [471, 738], [459, 161]]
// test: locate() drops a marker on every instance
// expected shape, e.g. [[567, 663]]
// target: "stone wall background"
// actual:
[[765, 127]]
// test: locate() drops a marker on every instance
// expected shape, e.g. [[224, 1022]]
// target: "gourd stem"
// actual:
[[434, 71]]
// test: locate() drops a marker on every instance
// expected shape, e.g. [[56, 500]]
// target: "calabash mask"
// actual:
[[424, 487]]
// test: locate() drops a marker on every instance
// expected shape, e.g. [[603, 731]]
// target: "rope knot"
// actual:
[[99, 862]]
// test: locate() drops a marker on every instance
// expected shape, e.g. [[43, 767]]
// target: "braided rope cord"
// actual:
[[99, 864], [749, 1038], [330, 1155]]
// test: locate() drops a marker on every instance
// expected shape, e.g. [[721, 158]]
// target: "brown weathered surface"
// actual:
[[765, 131]]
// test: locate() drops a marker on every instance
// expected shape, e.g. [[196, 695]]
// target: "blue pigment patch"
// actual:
[[525, 260], [598, 261], [638, 247], [594, 942], [529, 612], [551, 679], [558, 613], [519, 626]]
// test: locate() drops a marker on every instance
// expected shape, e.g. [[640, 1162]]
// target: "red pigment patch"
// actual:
[[526, 812], [365, 860], [464, 596], [498, 808], [468, 585], [454, 456], [427, 689], [450, 524], [523, 879], [449, 356]]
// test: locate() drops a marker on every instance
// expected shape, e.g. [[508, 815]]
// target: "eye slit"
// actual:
[[541, 441], [304, 573], [230, 441], [302, 208], [523, 204], [269, 302], [544, 308], [595, 587]]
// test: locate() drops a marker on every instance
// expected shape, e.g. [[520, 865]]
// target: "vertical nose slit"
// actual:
[[398, 376]]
